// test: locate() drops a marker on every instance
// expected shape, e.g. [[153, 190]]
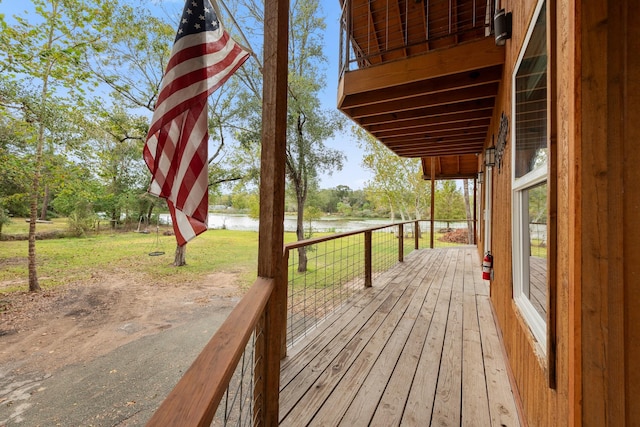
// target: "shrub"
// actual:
[[460, 235]]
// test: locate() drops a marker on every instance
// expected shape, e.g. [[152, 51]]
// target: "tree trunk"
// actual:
[[45, 203], [34, 286], [302, 251], [149, 212], [180, 258], [467, 208]]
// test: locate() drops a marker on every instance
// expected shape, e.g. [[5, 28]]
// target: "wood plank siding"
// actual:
[[589, 375], [420, 347]]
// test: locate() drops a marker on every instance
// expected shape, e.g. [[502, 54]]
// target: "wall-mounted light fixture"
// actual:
[[490, 157], [502, 26], [480, 177]]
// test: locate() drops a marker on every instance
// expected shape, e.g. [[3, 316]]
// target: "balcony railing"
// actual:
[[225, 385], [375, 31]]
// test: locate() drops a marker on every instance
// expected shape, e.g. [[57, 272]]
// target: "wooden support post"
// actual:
[[416, 235], [367, 259], [475, 213], [433, 199], [400, 242], [272, 182]]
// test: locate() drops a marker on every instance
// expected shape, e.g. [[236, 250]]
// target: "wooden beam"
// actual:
[[461, 107], [440, 120], [438, 84], [440, 146], [475, 124], [453, 96], [440, 138], [271, 228], [433, 201], [465, 57], [425, 152]]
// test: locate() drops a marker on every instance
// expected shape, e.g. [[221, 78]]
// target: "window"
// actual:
[[530, 176]]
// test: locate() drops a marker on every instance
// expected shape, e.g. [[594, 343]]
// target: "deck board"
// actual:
[[419, 348]]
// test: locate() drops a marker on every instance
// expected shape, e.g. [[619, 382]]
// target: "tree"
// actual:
[[4, 217], [397, 181], [46, 53], [449, 201], [141, 45], [309, 125], [118, 140], [15, 160]]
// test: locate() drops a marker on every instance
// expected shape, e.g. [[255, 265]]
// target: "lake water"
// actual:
[[245, 223]]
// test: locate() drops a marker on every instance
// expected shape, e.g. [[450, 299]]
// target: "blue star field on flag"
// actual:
[[197, 16]]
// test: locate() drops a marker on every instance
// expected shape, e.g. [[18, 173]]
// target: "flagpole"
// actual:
[[244, 38]]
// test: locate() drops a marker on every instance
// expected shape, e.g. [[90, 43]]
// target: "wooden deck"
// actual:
[[418, 348], [538, 284]]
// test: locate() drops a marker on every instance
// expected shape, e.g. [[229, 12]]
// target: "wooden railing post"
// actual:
[[367, 259], [401, 242], [416, 234]]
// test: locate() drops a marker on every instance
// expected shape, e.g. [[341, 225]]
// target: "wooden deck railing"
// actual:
[[371, 31], [196, 398], [336, 266]]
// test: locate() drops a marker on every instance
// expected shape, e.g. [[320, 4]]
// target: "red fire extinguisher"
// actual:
[[487, 265]]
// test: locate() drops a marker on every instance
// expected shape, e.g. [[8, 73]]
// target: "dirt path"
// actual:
[[46, 331]]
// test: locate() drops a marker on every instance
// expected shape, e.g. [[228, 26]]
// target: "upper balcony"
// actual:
[[421, 76]]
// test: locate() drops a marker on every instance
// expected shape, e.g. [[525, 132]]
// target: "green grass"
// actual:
[[21, 226], [538, 248], [334, 263], [68, 260]]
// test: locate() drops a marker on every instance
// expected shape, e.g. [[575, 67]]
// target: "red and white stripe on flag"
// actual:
[[202, 59]]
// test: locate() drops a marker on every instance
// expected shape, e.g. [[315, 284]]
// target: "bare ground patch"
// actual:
[[81, 321]]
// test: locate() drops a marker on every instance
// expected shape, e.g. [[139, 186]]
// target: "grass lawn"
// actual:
[[21, 226], [67, 260]]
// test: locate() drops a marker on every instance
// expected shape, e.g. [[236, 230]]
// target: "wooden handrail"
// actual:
[[315, 240], [195, 399]]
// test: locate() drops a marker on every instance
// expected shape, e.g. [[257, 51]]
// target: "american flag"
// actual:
[[202, 59]]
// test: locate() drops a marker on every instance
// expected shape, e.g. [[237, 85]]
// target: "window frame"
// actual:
[[519, 188]]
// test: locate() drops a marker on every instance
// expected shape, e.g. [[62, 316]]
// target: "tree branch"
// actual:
[[221, 181]]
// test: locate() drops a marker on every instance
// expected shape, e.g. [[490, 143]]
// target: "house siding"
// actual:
[[594, 67]]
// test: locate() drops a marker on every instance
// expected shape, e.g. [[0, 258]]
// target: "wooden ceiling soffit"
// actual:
[[439, 136], [464, 80], [470, 56], [421, 152], [467, 144], [451, 167], [469, 125], [450, 144], [437, 111], [442, 120], [453, 96]]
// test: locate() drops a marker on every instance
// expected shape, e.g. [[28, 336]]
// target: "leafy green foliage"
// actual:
[[5, 218], [397, 182], [309, 126], [449, 201]]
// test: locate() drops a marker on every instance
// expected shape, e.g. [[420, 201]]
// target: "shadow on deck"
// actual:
[[418, 348]]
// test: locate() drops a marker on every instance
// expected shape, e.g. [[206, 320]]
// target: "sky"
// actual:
[[352, 174]]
